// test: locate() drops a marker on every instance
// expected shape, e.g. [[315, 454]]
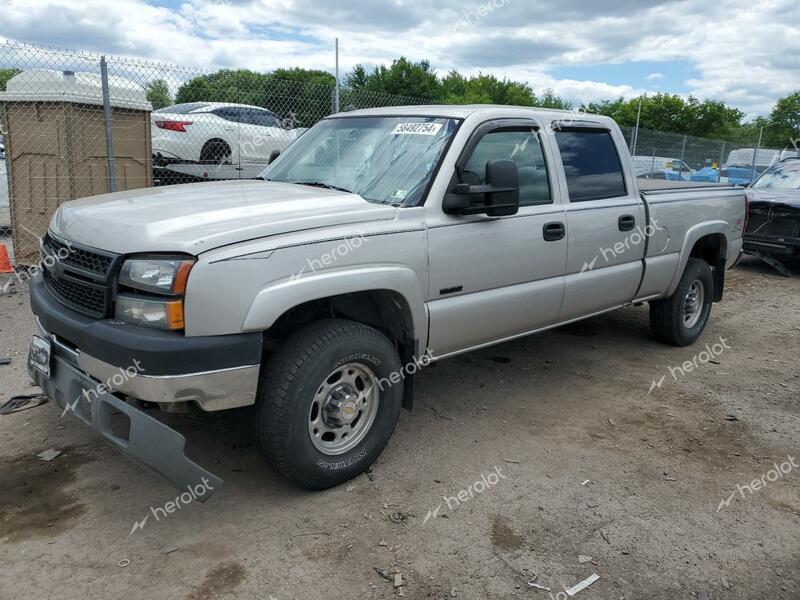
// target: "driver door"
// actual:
[[493, 278]]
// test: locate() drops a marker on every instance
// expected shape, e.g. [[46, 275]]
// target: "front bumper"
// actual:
[[141, 437], [777, 246], [215, 372]]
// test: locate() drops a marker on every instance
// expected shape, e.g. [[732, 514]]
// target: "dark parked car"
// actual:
[[774, 217]]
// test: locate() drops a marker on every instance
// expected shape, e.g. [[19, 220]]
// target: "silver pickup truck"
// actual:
[[379, 241]]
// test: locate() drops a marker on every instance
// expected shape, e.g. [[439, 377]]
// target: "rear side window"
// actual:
[[263, 118], [592, 165], [232, 114]]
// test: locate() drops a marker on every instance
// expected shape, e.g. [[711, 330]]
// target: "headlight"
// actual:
[[162, 276], [162, 314]]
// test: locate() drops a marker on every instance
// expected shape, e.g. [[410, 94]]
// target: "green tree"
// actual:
[[309, 76], [303, 96], [357, 78], [405, 78], [783, 129], [549, 100], [240, 86], [713, 119], [671, 113], [158, 94], [5, 75], [485, 89]]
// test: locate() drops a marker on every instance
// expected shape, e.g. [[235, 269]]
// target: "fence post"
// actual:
[[112, 175], [721, 156], [636, 134], [755, 155], [336, 92], [683, 154]]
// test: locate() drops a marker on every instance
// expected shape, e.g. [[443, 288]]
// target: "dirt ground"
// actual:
[[562, 446]]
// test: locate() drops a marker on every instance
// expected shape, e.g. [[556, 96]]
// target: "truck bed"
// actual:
[[655, 185]]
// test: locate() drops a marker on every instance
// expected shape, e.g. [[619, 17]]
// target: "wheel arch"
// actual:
[[209, 143], [709, 242], [388, 298]]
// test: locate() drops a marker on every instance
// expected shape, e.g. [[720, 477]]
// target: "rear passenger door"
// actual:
[[606, 222], [493, 278], [260, 136]]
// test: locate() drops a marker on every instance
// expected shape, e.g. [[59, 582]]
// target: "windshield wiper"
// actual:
[[321, 184]]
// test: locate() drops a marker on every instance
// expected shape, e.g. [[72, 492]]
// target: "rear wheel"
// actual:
[[327, 406], [215, 152], [680, 319]]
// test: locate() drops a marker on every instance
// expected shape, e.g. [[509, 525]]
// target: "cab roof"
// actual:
[[463, 111]]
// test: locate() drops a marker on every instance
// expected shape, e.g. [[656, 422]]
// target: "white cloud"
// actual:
[[744, 51], [655, 77]]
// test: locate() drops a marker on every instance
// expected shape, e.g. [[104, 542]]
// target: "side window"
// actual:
[[229, 114], [592, 165], [264, 118], [524, 148], [247, 116]]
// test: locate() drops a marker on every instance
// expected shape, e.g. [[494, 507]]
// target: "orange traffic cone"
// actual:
[[5, 262]]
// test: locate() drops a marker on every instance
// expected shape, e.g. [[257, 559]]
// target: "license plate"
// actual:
[[39, 355]]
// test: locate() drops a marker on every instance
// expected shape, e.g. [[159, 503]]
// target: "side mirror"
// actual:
[[499, 197], [275, 154]]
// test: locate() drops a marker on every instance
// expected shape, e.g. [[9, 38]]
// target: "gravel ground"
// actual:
[[561, 445]]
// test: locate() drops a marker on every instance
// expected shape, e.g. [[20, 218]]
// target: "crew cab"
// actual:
[[379, 241]]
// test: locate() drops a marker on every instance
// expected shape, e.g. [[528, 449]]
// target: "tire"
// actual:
[[215, 152], [674, 320], [302, 376]]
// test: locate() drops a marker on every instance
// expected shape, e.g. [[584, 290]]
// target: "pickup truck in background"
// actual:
[[379, 241], [773, 227], [739, 168]]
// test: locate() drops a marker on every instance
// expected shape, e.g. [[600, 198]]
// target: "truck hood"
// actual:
[[775, 196], [199, 217]]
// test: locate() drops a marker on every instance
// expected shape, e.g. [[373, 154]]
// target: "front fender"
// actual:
[[693, 234], [278, 297]]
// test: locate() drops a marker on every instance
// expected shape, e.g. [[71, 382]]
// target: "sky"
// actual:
[[744, 52]]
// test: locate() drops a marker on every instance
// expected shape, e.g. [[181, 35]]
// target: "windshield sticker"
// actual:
[[400, 194], [417, 129]]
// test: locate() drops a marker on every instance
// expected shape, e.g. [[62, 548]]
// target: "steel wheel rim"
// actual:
[[693, 303], [343, 409]]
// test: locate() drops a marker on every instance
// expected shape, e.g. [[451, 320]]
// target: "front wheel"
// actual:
[[329, 402], [680, 319]]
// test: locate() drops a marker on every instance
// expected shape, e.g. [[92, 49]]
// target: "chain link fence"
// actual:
[[674, 156], [77, 124]]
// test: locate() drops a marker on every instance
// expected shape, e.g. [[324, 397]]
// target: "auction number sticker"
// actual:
[[416, 129]]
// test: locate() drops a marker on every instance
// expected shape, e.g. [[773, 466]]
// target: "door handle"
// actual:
[[553, 232], [627, 222]]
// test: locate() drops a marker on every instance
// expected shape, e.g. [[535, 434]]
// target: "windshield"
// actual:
[[784, 177], [383, 159]]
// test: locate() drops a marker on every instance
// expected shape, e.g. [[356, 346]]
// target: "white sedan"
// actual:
[[219, 133]]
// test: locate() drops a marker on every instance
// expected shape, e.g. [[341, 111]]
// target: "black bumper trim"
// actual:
[[771, 245], [149, 442], [158, 352]]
